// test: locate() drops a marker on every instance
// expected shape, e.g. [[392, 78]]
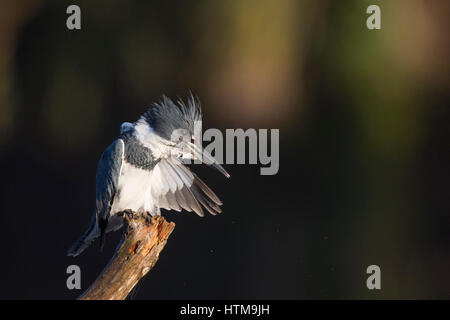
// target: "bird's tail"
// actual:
[[86, 239]]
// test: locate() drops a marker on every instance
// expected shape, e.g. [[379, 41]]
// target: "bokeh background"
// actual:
[[364, 139]]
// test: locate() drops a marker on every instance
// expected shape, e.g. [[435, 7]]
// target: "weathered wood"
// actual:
[[138, 252]]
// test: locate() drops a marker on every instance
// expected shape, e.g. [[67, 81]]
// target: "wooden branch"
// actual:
[[139, 250]]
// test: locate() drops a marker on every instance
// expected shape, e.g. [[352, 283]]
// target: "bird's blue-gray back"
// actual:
[[107, 177]]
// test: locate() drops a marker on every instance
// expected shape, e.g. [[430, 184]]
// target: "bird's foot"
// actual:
[[127, 213], [130, 214], [147, 216]]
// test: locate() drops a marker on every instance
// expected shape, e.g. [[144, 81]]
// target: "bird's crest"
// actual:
[[166, 116]]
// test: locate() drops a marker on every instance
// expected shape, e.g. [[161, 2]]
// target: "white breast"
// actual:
[[134, 190]]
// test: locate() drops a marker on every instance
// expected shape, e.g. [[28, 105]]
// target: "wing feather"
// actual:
[[107, 178], [172, 175], [161, 185], [182, 201], [175, 187], [201, 185], [172, 201], [195, 205]]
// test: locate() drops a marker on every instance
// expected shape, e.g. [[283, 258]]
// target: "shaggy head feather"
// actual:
[[166, 116]]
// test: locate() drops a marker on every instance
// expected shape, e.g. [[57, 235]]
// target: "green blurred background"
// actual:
[[364, 139]]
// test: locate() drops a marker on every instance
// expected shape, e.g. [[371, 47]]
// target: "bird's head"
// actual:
[[125, 127], [178, 125]]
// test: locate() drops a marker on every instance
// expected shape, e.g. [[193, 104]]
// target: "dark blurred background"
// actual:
[[364, 139]]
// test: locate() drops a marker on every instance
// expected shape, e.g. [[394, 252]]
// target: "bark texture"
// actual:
[[141, 244]]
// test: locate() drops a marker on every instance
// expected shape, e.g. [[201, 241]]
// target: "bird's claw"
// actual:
[[126, 213]]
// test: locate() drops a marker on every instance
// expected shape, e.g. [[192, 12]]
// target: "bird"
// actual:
[[144, 170]]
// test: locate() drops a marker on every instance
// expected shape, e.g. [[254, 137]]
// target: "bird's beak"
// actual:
[[219, 168], [206, 158]]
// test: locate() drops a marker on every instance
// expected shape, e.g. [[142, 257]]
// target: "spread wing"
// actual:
[[175, 187], [107, 177]]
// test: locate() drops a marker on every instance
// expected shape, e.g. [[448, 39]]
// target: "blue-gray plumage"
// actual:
[[166, 117], [136, 153], [142, 170], [107, 177]]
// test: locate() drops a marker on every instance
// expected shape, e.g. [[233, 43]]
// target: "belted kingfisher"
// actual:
[[143, 170]]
